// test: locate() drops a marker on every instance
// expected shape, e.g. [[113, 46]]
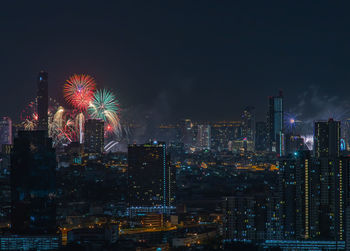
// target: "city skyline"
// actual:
[[194, 125]]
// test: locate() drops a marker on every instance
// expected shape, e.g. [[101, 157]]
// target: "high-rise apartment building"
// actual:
[[327, 138], [151, 178], [299, 196], [313, 197]]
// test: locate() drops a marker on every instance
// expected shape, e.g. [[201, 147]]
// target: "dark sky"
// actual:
[[200, 59]]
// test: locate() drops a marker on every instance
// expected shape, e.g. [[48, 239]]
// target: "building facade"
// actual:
[[94, 136], [33, 189], [203, 137], [151, 178], [327, 138]]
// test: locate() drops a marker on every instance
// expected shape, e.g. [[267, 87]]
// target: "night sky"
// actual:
[[175, 59]]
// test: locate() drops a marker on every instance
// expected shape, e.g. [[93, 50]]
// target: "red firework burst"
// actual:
[[79, 90], [108, 130]]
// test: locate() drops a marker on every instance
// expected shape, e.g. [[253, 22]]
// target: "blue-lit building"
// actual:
[[289, 245], [151, 178], [275, 124], [30, 242]]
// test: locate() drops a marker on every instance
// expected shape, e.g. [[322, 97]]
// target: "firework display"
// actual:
[[29, 116], [62, 127], [79, 90], [104, 105], [67, 125], [79, 124], [309, 141], [292, 123]]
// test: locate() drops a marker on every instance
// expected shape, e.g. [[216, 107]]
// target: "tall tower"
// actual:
[[275, 124], [299, 193], [248, 123], [43, 100]]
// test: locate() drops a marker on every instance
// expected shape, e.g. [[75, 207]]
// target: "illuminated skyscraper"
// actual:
[[299, 182], [94, 136], [275, 123], [5, 131], [327, 138], [33, 189], [314, 195], [43, 100], [151, 178]]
